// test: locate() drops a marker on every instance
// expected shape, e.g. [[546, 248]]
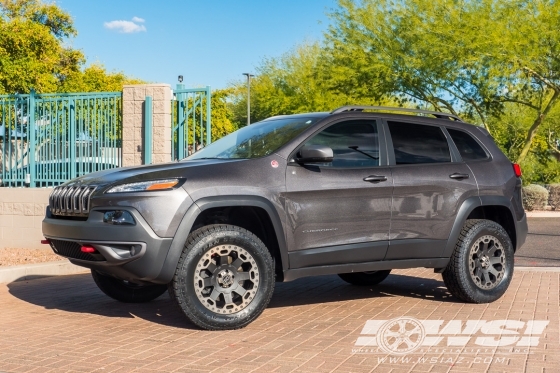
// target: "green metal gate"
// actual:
[[47, 139], [191, 120]]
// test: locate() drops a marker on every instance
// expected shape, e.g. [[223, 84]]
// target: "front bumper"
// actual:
[[130, 252]]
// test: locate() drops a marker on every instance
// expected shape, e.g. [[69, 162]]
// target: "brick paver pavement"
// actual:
[[65, 323]]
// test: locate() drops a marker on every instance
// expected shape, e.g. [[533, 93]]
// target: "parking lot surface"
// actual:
[[318, 324], [542, 247]]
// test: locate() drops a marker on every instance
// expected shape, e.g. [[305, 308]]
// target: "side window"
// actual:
[[469, 148], [354, 143], [417, 143]]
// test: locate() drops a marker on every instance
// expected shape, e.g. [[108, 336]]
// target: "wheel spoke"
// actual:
[[224, 260], [493, 271], [237, 263], [207, 282], [495, 260], [240, 290], [215, 294], [478, 272], [241, 276], [485, 248], [484, 278], [211, 267], [390, 333], [393, 346], [416, 330], [228, 298]]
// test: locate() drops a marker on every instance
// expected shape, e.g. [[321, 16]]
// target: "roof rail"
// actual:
[[437, 114]]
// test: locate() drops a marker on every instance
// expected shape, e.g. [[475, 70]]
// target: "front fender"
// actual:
[[186, 224]]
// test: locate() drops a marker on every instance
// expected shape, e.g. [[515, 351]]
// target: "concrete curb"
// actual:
[[543, 214], [537, 269], [34, 271]]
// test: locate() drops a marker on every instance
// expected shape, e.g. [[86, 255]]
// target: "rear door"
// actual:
[[430, 183]]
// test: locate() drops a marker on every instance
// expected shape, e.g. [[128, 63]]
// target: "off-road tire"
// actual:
[[126, 292], [202, 272], [365, 278], [460, 275]]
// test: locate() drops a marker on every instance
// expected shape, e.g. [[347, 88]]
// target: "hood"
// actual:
[[145, 173]]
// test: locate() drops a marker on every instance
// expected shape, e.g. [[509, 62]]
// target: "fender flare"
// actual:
[[168, 270], [463, 213]]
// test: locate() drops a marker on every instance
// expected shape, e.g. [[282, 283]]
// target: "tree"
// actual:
[[289, 84], [32, 50], [33, 53], [469, 57], [95, 78]]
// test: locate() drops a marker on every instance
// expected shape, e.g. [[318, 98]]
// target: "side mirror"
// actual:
[[315, 154]]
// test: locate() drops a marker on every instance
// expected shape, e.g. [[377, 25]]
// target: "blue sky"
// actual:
[[209, 42]]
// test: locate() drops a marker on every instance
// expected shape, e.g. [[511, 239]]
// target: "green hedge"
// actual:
[[535, 197], [554, 196]]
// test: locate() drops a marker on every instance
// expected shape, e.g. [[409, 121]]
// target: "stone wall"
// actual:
[[21, 213], [134, 97]]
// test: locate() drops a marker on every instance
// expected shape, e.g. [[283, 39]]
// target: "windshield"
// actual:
[[256, 140]]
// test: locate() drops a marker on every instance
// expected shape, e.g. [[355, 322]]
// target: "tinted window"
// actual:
[[469, 148], [354, 143], [257, 140], [416, 143]]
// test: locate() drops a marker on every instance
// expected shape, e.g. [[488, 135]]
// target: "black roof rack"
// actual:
[[437, 114]]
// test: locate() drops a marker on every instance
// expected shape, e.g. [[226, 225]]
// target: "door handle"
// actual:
[[375, 178], [458, 176]]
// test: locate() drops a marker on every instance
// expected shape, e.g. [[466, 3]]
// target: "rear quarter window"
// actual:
[[468, 147]]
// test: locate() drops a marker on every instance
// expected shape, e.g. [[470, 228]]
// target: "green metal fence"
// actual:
[[47, 139], [191, 120]]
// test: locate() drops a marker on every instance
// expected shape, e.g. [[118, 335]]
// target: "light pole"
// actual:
[[249, 76]]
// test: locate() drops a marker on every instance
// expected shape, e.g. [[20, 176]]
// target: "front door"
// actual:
[[340, 212]]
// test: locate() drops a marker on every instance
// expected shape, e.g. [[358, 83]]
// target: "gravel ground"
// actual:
[[14, 257]]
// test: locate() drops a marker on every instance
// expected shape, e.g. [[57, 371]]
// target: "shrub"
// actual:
[[554, 196], [534, 197]]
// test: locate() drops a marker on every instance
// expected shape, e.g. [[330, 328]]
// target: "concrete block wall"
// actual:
[[134, 97], [21, 213]]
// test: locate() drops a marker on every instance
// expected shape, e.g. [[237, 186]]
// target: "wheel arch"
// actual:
[[203, 206], [495, 208]]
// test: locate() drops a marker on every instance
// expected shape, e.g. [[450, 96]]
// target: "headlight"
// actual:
[[145, 186]]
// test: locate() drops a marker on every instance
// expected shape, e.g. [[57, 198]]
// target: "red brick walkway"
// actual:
[[65, 323]]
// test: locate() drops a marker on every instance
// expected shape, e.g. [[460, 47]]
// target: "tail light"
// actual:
[[516, 169]]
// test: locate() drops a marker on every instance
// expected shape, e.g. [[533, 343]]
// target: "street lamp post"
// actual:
[[249, 76]]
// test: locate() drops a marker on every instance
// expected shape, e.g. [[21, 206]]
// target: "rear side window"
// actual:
[[469, 148], [417, 143]]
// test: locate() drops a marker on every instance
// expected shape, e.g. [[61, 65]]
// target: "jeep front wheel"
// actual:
[[224, 278], [481, 266]]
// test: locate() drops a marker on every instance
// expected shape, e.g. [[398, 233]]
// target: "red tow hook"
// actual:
[[46, 242], [88, 249]]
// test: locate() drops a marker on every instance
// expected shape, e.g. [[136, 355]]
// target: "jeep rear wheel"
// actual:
[[481, 266], [369, 278], [224, 278], [125, 291]]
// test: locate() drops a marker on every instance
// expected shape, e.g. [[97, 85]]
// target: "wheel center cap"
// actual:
[[484, 262], [225, 278]]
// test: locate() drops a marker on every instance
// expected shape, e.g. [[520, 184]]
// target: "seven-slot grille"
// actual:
[[71, 200]]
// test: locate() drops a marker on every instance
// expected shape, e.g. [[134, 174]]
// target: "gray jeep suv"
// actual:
[[355, 192]]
